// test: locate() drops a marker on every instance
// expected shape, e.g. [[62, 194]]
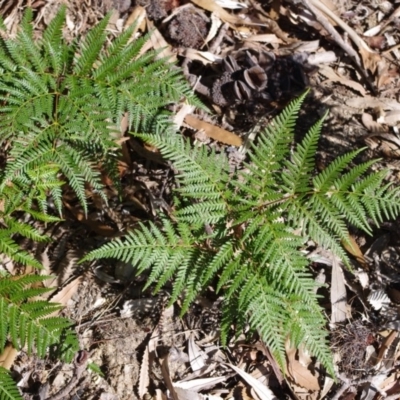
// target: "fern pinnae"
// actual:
[[355, 215], [10, 248], [326, 179], [302, 163], [226, 276], [91, 47], [275, 140], [53, 32], [8, 388], [116, 59], [314, 228], [345, 182], [16, 227], [315, 340], [185, 276], [218, 261], [330, 216], [262, 312], [176, 264], [364, 197]]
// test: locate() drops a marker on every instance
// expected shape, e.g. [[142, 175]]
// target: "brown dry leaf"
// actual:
[[184, 394], [67, 291], [385, 346], [370, 59], [261, 390], [329, 73], [167, 377], [338, 293], [392, 383], [7, 357], [215, 25], [144, 379], [204, 57], [392, 118], [373, 126], [373, 102], [214, 132], [157, 42], [389, 144], [138, 17], [196, 356], [196, 385], [181, 114], [160, 395], [300, 374], [269, 38], [225, 16], [352, 247]]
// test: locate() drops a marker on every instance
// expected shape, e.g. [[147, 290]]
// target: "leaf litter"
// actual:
[[145, 350]]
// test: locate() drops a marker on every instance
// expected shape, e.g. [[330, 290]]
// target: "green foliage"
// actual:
[[28, 323], [61, 105], [8, 389], [245, 234]]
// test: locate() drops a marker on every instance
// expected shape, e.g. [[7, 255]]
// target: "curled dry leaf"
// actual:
[[233, 5], [369, 57], [184, 394], [157, 42], [383, 351], [261, 390], [213, 131], [301, 375], [263, 38], [212, 6], [392, 118], [370, 124], [196, 356], [329, 73], [204, 57], [352, 248], [215, 25], [167, 378], [67, 292], [181, 114], [137, 17], [8, 356]]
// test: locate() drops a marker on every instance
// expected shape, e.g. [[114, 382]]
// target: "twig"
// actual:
[[345, 385], [80, 363], [318, 10], [218, 39]]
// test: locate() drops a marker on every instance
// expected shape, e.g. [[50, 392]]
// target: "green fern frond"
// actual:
[[27, 322], [246, 233], [8, 388], [11, 249], [325, 180], [198, 178], [63, 102], [91, 48], [302, 164]]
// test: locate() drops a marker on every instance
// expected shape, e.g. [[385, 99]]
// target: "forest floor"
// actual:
[[348, 53]]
